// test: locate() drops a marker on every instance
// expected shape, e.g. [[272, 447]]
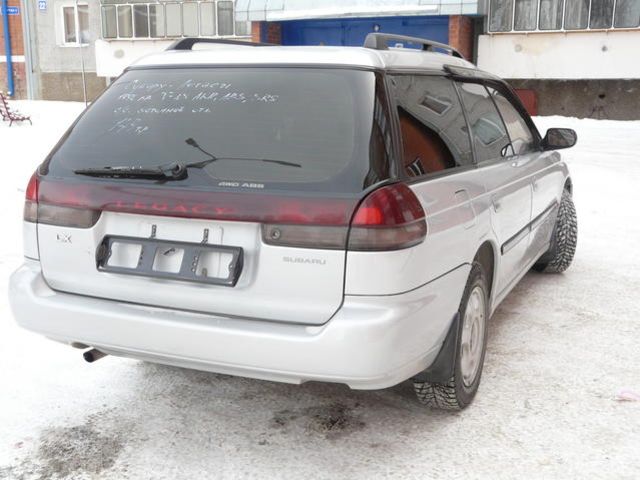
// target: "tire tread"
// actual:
[[441, 396], [566, 237]]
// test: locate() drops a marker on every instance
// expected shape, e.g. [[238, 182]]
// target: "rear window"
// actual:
[[269, 128]]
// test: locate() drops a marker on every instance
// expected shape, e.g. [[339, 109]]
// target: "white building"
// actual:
[[135, 28], [579, 57], [567, 57]]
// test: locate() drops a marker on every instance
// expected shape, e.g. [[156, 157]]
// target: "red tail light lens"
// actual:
[[32, 188], [31, 200], [389, 206], [390, 218]]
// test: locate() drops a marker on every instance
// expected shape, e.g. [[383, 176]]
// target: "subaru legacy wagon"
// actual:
[[294, 214]]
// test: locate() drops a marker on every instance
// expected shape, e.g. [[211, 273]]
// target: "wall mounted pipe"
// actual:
[[7, 48], [30, 53]]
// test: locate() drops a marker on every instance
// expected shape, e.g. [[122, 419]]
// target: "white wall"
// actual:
[[52, 55], [574, 55], [113, 56]]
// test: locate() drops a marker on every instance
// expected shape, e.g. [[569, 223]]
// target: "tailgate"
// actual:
[[275, 283], [293, 150]]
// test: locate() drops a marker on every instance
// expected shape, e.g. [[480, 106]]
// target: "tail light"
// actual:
[[37, 211], [31, 200], [390, 218]]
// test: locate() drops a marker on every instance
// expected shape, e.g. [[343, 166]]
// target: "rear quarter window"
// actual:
[[435, 136]]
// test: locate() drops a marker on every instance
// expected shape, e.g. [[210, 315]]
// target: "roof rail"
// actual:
[[189, 42], [380, 41]]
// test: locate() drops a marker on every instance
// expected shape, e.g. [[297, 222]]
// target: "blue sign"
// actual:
[[42, 5], [12, 11]]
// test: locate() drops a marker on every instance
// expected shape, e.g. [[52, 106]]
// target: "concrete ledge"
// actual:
[[68, 86], [601, 99]]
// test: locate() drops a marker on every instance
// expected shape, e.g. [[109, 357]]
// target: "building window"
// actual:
[[526, 15], [576, 14], [109, 27], [627, 14], [601, 15], [208, 19], [501, 16], [141, 21], [225, 18], [172, 19], [562, 15], [156, 21], [125, 28], [190, 20], [550, 14], [75, 24]]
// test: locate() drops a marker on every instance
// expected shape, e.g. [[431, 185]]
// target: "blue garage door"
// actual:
[[352, 31]]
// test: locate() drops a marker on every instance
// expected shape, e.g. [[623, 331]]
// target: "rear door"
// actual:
[[548, 176], [507, 179], [280, 158]]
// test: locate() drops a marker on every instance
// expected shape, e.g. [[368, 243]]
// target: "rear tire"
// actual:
[[563, 240], [459, 391]]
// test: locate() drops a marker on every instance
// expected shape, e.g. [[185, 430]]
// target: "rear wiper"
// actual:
[[171, 172], [174, 171]]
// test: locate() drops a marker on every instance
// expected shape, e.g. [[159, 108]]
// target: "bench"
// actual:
[[9, 115]]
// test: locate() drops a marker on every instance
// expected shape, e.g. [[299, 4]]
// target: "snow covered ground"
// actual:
[[560, 348]]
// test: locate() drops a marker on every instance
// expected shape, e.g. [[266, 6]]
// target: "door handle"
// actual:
[[535, 186]]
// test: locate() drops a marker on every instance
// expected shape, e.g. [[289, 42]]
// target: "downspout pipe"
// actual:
[[7, 48], [29, 52]]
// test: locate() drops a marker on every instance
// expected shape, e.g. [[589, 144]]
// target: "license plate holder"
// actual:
[[187, 270]]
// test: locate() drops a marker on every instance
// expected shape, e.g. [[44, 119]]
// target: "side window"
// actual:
[[490, 136], [381, 142], [434, 131], [521, 136]]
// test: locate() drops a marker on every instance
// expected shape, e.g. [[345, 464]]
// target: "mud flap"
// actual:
[[443, 367]]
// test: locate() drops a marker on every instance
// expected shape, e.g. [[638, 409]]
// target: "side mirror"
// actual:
[[557, 138]]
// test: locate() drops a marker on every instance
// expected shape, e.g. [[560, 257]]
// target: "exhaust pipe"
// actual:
[[93, 355]]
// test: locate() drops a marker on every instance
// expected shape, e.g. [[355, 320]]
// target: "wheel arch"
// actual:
[[486, 256], [568, 185]]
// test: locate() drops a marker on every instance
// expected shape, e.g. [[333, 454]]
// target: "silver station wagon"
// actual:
[[350, 215]]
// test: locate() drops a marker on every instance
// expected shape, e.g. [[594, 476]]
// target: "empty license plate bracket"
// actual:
[[188, 268]]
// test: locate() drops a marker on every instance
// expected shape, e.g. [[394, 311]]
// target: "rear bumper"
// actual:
[[371, 342]]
